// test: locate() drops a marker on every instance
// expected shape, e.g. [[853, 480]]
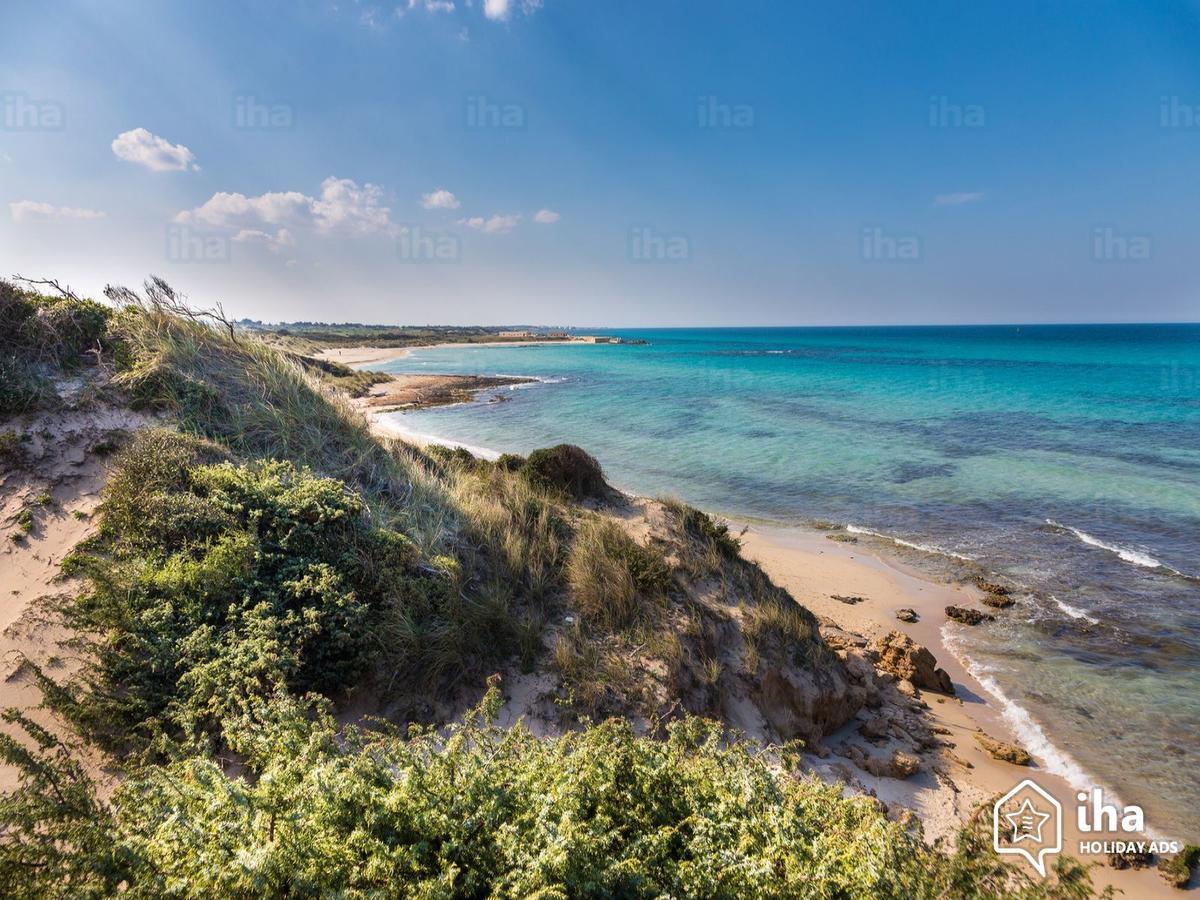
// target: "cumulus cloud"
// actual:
[[958, 199], [440, 199], [496, 224], [280, 240], [156, 154], [343, 207], [32, 211], [546, 217]]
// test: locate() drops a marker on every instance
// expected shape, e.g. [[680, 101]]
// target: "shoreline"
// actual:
[[813, 569], [361, 357]]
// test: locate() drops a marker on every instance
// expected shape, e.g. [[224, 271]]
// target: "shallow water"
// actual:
[[1063, 458]]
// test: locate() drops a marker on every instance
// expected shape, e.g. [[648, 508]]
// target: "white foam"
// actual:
[[924, 548], [421, 438], [1073, 611], [1028, 731], [1136, 557]]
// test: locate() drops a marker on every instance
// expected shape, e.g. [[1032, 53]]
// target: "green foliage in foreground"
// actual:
[[478, 812], [212, 583]]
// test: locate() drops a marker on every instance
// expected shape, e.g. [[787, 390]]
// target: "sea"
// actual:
[[1061, 460]]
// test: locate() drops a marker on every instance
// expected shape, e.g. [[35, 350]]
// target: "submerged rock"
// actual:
[[1004, 751], [997, 601], [906, 614], [901, 656], [968, 616], [990, 587]]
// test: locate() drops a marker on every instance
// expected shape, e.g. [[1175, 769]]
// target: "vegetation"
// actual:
[[566, 469], [267, 556], [481, 811], [40, 334]]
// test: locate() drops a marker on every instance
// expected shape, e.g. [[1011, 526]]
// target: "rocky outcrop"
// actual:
[[1004, 751], [968, 616], [901, 656], [1131, 859], [906, 614], [808, 703], [898, 765], [1177, 870], [997, 601]]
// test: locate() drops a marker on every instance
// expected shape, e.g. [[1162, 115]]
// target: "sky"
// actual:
[[617, 163]]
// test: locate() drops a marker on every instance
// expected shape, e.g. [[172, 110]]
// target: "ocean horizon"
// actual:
[[1061, 459]]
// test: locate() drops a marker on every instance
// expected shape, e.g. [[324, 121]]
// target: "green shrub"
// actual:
[[477, 812], [22, 388], [51, 330], [211, 584], [568, 470]]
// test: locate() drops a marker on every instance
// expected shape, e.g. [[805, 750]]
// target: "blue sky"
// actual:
[[616, 163]]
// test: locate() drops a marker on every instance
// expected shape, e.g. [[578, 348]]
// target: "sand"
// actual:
[[813, 568], [365, 357]]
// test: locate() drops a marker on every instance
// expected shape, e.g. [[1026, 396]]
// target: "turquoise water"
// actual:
[[1063, 458]]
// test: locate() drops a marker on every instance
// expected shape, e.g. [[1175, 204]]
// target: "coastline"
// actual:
[[814, 569], [361, 357]]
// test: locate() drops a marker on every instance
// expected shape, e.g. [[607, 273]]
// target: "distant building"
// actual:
[[596, 339], [516, 334]]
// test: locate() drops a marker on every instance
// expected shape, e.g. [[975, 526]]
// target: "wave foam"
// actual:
[[1028, 731], [1073, 611], [912, 545], [1129, 554]]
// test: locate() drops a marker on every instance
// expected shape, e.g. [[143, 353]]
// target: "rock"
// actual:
[[901, 656], [1177, 870], [903, 765], [843, 538], [906, 687], [1003, 751], [906, 614], [1130, 859], [874, 728], [850, 601], [968, 616], [997, 601], [990, 587], [808, 703]]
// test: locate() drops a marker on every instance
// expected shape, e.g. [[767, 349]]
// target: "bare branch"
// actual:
[[49, 282]]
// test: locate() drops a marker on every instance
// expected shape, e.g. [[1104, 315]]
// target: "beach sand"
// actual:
[[813, 569], [365, 357]]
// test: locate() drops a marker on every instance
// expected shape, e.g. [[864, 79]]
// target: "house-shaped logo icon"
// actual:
[[1027, 822]]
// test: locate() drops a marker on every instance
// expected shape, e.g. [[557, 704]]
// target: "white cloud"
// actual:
[[439, 6], [496, 224], [5, 158], [155, 153], [343, 207], [32, 211], [280, 240], [958, 199], [440, 199], [496, 10], [546, 217]]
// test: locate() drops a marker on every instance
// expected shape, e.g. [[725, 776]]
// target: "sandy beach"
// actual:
[[814, 569], [365, 357]]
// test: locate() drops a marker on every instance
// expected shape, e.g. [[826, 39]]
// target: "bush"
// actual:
[[211, 584], [51, 330], [22, 388], [566, 469], [478, 812]]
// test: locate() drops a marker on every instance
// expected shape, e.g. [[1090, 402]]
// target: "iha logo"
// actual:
[[1028, 822]]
